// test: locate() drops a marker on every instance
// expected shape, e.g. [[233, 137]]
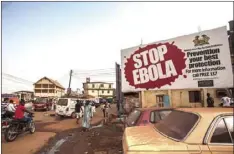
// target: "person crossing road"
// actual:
[[78, 110]]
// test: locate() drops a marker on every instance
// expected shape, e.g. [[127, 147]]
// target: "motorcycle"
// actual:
[[6, 120], [5, 124], [17, 127]]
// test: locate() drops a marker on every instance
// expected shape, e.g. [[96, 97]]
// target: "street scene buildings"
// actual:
[[117, 78], [46, 87], [98, 89]]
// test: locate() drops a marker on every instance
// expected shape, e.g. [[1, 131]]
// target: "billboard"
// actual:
[[199, 60]]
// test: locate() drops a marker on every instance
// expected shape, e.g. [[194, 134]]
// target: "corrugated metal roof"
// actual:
[[51, 80]]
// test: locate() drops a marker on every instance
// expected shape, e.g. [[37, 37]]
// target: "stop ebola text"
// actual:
[[148, 65]]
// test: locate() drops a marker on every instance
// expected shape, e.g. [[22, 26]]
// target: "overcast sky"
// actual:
[[50, 38]]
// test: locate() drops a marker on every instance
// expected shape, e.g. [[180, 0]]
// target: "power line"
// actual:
[[94, 70], [13, 80], [83, 73], [11, 76], [91, 75], [83, 78]]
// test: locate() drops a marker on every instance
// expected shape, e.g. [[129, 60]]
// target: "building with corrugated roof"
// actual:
[[47, 87]]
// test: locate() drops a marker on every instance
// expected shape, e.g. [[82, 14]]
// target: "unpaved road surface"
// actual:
[[106, 139], [47, 126], [63, 136]]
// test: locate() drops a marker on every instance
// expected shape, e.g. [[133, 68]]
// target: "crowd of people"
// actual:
[[11, 110]]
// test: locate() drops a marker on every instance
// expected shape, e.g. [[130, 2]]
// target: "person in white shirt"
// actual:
[[226, 100], [10, 109], [93, 107]]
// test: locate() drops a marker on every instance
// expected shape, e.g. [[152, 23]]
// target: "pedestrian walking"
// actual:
[[107, 107], [103, 109], [78, 110], [93, 108], [87, 116], [209, 100]]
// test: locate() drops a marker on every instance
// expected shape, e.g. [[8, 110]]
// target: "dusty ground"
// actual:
[[100, 140], [51, 129], [46, 127]]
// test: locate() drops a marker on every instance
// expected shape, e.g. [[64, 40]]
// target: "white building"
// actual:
[[98, 89]]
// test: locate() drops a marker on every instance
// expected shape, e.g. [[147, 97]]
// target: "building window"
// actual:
[[45, 86], [93, 85], [51, 91], [109, 85], [159, 100], [51, 86], [194, 96], [37, 91], [38, 86], [108, 91], [103, 91], [220, 93], [101, 85], [92, 91], [44, 91]]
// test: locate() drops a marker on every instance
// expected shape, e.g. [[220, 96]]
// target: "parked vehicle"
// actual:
[[186, 130], [145, 116], [66, 107], [17, 127], [42, 104]]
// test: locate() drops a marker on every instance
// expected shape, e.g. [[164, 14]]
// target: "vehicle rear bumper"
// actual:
[[40, 108], [63, 114]]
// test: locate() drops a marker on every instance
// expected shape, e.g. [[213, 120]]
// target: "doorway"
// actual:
[[162, 101]]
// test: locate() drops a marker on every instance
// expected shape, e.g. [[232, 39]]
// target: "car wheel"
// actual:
[[32, 127]]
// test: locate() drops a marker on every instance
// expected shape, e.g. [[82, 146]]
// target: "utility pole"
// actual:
[[119, 97], [69, 85], [231, 45]]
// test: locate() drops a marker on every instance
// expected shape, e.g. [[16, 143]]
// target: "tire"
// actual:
[[73, 115], [32, 128], [9, 130]]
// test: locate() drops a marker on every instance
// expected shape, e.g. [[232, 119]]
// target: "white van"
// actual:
[[66, 107]]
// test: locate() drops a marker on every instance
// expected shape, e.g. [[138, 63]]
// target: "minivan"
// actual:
[[65, 107]]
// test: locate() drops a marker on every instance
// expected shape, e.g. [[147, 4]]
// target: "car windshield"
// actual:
[[40, 100], [132, 117], [62, 102], [177, 124]]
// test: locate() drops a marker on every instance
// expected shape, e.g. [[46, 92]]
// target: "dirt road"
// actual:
[[46, 127], [101, 139], [56, 135]]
